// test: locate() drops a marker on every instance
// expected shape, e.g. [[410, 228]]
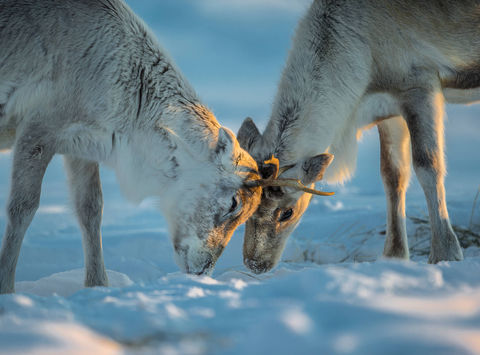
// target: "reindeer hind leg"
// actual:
[[424, 112], [32, 154], [86, 193], [395, 170]]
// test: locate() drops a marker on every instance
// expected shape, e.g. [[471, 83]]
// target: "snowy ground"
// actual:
[[332, 294]]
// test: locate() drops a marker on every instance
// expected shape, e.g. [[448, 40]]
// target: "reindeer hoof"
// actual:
[[99, 278], [396, 254], [396, 250], [6, 287], [433, 259], [453, 253]]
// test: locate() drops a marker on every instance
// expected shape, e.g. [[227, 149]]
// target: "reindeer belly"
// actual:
[[7, 137], [7, 131], [465, 79], [461, 96], [463, 87]]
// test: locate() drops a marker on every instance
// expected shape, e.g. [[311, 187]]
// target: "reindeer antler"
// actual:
[[294, 183], [284, 168], [278, 170], [275, 181], [273, 161]]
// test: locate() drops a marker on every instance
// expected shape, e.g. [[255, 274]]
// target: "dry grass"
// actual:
[[466, 236], [474, 206]]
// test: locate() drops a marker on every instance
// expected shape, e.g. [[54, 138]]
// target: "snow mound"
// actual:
[[67, 283]]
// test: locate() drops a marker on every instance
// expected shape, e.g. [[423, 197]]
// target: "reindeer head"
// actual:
[[212, 198], [287, 191]]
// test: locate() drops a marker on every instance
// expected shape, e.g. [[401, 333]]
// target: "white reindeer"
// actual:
[[87, 79], [355, 64]]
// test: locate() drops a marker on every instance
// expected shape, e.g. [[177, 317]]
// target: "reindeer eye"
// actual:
[[286, 215], [234, 205]]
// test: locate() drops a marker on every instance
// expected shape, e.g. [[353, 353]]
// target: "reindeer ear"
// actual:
[[248, 134], [225, 144], [313, 168]]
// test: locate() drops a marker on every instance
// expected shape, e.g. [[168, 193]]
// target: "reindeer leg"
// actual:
[[32, 154], [395, 169], [86, 192], [424, 112]]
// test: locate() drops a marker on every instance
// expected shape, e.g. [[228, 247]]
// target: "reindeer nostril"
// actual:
[[258, 267], [207, 268]]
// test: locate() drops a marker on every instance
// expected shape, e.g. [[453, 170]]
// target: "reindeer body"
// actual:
[[354, 65], [88, 80]]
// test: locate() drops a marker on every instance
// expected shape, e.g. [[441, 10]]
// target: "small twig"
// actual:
[[249, 275], [233, 269], [421, 241], [339, 230]]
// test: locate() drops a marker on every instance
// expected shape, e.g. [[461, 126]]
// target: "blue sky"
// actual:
[[232, 51]]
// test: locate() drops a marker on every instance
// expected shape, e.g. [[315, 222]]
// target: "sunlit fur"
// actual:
[[267, 236], [354, 65], [88, 80]]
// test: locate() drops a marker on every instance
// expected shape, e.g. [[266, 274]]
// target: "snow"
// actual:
[[332, 294], [67, 283], [363, 308]]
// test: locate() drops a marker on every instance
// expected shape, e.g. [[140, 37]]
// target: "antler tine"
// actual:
[[273, 161], [284, 168], [278, 170], [275, 181], [293, 183]]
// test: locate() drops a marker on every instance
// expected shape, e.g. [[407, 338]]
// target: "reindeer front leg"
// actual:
[[86, 192], [424, 112], [32, 154], [395, 169]]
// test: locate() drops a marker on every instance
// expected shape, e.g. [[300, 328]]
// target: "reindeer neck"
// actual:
[[319, 89], [165, 100], [171, 133], [155, 160]]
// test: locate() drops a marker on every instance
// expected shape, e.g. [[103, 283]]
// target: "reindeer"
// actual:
[[87, 79], [354, 65]]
